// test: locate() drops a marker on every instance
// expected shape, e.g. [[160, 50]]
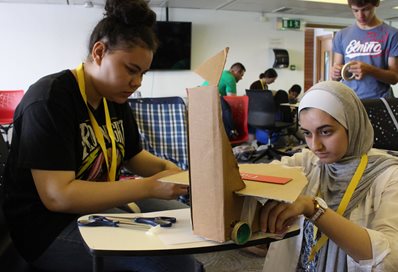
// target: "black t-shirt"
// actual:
[[52, 131], [256, 85]]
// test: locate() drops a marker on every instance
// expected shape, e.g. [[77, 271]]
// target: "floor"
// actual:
[[235, 260]]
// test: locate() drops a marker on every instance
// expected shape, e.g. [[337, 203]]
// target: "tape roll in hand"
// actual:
[[345, 72]]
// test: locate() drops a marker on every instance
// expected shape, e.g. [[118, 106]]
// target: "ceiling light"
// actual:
[[281, 9], [88, 4], [340, 2]]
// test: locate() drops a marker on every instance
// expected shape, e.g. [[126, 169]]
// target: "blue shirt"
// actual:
[[372, 46]]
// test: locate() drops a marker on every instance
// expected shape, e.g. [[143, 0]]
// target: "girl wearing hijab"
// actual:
[[349, 204]]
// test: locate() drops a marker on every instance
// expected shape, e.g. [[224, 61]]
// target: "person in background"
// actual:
[[294, 93], [371, 48], [265, 79], [73, 132], [227, 86], [345, 211], [229, 78]]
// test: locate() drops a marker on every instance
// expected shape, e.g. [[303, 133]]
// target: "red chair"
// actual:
[[240, 109], [9, 100]]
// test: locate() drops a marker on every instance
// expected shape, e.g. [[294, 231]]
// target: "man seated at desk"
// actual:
[[227, 87], [294, 93]]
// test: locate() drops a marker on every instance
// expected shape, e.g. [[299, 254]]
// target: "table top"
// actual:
[[294, 105], [179, 239]]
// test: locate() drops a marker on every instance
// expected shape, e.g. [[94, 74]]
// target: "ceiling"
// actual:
[[277, 7]]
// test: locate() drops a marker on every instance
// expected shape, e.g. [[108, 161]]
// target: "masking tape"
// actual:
[[345, 73]]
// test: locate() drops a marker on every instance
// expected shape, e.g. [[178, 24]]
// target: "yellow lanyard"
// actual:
[[97, 130], [344, 201], [262, 84]]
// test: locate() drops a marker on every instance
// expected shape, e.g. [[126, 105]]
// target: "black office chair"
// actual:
[[10, 259], [284, 112], [383, 115], [262, 115]]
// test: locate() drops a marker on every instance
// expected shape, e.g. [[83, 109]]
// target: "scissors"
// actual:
[[115, 221], [162, 221], [99, 220]]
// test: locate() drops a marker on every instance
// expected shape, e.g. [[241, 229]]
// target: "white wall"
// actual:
[[249, 41], [40, 39]]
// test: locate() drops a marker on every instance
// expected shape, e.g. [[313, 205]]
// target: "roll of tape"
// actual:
[[345, 72]]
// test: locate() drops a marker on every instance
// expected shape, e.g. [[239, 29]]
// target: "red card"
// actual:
[[263, 178]]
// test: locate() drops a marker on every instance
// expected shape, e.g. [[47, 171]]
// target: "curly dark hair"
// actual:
[[126, 24]]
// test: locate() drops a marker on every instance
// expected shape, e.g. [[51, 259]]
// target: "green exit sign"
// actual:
[[291, 23]]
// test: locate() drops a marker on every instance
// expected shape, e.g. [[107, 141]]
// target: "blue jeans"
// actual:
[[69, 253]]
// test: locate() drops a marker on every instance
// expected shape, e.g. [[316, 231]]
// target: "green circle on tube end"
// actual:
[[241, 233]]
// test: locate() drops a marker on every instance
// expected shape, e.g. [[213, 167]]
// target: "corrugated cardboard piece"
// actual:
[[212, 68], [214, 178], [283, 192], [214, 173]]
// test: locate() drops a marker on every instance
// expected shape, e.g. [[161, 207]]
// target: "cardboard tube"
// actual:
[[241, 233]]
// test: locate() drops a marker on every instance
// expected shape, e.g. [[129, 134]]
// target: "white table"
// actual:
[[126, 241], [294, 105]]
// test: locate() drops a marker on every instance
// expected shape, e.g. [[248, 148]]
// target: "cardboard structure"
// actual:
[[214, 177], [282, 192], [214, 173]]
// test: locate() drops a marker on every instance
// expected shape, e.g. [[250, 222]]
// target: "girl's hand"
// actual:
[[166, 190], [276, 217]]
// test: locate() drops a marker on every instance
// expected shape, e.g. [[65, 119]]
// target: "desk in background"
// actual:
[[125, 241], [292, 106]]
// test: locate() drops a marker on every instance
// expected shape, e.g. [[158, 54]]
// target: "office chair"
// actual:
[[9, 100], [284, 113], [262, 115], [10, 259], [240, 108], [162, 123], [3, 160], [383, 114]]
